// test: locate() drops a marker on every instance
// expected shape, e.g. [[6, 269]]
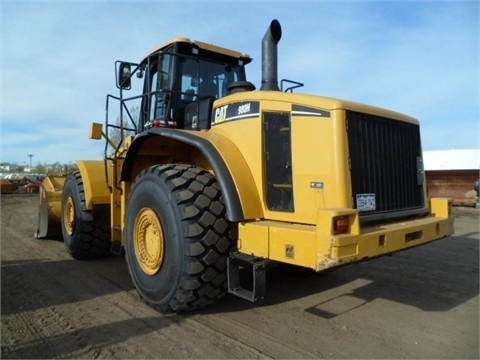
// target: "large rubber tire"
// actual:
[[177, 238], [82, 238]]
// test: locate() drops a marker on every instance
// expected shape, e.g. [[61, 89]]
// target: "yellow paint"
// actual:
[[253, 238], [441, 207], [94, 182], [293, 244], [316, 247], [95, 131], [148, 241]]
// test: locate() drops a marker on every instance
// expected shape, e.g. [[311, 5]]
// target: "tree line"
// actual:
[[56, 168]]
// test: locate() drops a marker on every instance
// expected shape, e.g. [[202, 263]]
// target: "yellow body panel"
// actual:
[[319, 150], [241, 171], [325, 162], [96, 131], [201, 45], [52, 191], [316, 247], [94, 182]]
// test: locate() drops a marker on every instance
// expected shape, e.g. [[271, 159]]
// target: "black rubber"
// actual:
[[197, 237], [88, 240]]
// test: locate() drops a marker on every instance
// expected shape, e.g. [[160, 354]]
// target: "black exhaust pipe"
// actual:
[[269, 56]]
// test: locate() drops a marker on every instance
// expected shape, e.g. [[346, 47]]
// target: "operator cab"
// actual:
[[182, 79]]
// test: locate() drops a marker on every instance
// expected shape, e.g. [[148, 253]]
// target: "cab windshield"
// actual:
[[201, 79], [176, 81]]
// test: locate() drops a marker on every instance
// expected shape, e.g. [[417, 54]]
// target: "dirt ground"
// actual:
[[421, 303]]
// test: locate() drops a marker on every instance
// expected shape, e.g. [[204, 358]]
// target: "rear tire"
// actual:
[[82, 238], [177, 238]]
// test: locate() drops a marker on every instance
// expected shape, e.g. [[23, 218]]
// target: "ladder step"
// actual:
[[257, 266], [117, 248]]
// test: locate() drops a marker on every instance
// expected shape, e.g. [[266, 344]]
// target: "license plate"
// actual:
[[366, 202]]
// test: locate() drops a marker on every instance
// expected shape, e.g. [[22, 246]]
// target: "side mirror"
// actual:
[[140, 71], [124, 76]]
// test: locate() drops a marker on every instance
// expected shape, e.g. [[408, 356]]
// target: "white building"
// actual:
[[452, 159]]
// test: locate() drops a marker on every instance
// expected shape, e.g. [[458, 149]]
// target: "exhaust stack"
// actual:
[[269, 56]]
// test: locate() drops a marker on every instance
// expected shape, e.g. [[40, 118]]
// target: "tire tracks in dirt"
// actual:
[[418, 304]]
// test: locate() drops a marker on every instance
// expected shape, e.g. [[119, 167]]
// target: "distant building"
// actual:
[[6, 167], [452, 173]]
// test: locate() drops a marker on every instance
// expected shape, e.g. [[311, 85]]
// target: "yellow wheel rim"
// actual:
[[148, 241], [69, 215]]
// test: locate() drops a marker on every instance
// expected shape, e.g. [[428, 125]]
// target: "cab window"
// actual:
[[160, 86], [201, 79]]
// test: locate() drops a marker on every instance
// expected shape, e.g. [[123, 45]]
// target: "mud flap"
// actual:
[[252, 290]]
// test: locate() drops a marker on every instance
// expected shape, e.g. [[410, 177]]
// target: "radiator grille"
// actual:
[[385, 160]]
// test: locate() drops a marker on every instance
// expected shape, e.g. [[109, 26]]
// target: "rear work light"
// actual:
[[341, 225]]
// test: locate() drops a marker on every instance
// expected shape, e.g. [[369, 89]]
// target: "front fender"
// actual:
[[227, 163], [94, 182]]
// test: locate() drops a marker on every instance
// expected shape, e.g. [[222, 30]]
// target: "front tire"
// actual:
[[177, 238], [83, 239]]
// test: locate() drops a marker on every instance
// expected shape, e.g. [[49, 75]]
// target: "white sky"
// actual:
[[420, 58]]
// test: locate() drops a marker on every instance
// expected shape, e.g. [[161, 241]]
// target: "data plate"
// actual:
[[366, 202]]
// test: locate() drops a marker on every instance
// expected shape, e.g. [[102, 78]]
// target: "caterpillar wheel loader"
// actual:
[[218, 179]]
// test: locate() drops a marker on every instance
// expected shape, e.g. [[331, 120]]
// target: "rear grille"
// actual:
[[386, 165]]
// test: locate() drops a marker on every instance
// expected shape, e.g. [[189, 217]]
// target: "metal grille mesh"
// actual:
[[385, 160]]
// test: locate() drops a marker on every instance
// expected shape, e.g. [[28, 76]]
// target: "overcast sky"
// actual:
[[420, 58]]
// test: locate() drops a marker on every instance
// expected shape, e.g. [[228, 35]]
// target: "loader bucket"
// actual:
[[7, 187], [50, 207]]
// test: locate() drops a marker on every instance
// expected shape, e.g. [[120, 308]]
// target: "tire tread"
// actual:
[[94, 241], [209, 237]]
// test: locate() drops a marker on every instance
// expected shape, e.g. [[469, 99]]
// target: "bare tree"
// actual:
[[120, 130]]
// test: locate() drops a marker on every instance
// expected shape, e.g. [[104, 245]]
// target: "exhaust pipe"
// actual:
[[269, 56]]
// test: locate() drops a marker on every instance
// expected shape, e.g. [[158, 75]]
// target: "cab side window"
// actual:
[[189, 86], [160, 86]]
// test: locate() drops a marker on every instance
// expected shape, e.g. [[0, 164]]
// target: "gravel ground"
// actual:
[[421, 303]]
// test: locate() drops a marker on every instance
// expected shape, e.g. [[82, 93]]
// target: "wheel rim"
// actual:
[[69, 215], [148, 241]]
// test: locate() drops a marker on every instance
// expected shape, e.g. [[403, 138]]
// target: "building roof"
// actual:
[[468, 159]]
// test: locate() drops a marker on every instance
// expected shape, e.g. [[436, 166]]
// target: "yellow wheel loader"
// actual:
[[213, 179]]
